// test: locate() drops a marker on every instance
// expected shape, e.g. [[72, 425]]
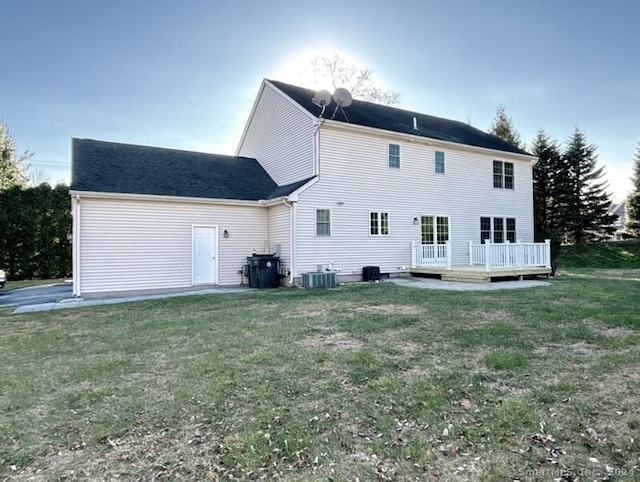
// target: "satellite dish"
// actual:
[[342, 97], [322, 98]]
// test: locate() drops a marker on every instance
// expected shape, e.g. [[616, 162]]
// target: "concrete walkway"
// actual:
[[80, 303], [409, 282]]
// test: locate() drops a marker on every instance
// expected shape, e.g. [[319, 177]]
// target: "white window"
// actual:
[[434, 229], [497, 229], [439, 162], [323, 222], [503, 175], [378, 224], [394, 155]]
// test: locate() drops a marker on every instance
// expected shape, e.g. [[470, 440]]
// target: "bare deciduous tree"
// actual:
[[341, 73]]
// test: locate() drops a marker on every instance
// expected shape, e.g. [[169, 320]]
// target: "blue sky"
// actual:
[[184, 74]]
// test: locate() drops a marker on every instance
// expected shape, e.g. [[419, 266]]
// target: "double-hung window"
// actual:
[[503, 175], [394, 155], [497, 230], [378, 223], [323, 222], [439, 162]]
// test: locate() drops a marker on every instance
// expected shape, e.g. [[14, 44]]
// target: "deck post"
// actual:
[[413, 255], [519, 254], [487, 255], [470, 243], [449, 254], [547, 253]]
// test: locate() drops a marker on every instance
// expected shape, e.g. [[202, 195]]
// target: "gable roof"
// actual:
[[99, 166], [393, 119]]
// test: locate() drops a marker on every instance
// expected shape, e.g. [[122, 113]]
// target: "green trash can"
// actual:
[[263, 271]]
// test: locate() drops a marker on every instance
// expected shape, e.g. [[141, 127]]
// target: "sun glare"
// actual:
[[299, 69]]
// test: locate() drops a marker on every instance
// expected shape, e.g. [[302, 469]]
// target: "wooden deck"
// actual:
[[478, 274]]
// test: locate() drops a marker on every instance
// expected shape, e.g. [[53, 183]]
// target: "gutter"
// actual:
[[292, 238], [157, 197]]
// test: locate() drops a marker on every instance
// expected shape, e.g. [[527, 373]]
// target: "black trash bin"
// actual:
[[263, 271]]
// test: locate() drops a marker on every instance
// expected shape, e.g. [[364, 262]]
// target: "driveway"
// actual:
[[36, 295]]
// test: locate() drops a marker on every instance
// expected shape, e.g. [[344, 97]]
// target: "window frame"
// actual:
[[393, 158], [503, 175], [432, 229], [326, 223], [498, 229], [439, 164], [379, 223]]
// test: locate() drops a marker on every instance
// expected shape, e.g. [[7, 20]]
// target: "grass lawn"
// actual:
[[361, 382]]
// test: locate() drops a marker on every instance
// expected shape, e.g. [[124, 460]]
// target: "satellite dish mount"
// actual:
[[322, 99], [342, 97]]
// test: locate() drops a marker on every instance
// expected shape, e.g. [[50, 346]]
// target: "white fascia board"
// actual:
[[285, 96], [154, 197], [251, 114], [427, 140]]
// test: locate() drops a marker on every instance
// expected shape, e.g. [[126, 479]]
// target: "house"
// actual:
[[618, 210], [331, 187]]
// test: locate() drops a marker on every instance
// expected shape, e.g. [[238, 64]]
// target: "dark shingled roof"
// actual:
[[398, 120], [99, 166]]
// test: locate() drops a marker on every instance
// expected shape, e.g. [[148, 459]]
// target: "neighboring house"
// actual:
[[618, 210], [338, 187]]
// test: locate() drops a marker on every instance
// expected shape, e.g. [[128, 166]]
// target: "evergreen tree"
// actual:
[[503, 128], [13, 168], [581, 195], [546, 218], [632, 208]]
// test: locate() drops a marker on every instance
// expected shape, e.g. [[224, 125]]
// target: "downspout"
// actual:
[[292, 239], [75, 244], [316, 147]]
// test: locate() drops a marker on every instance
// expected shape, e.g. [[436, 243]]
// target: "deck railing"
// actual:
[[493, 256], [510, 255], [437, 255]]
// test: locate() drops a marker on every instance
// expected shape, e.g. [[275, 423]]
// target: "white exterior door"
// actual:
[[204, 259]]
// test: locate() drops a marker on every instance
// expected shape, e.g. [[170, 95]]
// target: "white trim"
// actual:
[[159, 197], [75, 244], [215, 253]]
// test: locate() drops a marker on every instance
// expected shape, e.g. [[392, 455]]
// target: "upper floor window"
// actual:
[[503, 174], [378, 224], [323, 222], [439, 162], [394, 155]]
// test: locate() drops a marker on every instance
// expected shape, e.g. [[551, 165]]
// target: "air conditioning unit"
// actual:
[[319, 279]]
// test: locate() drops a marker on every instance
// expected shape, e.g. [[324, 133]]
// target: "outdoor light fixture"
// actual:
[[225, 233], [415, 221]]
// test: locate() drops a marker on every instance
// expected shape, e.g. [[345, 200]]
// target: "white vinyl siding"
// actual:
[[128, 244], [280, 233], [280, 136], [352, 184]]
